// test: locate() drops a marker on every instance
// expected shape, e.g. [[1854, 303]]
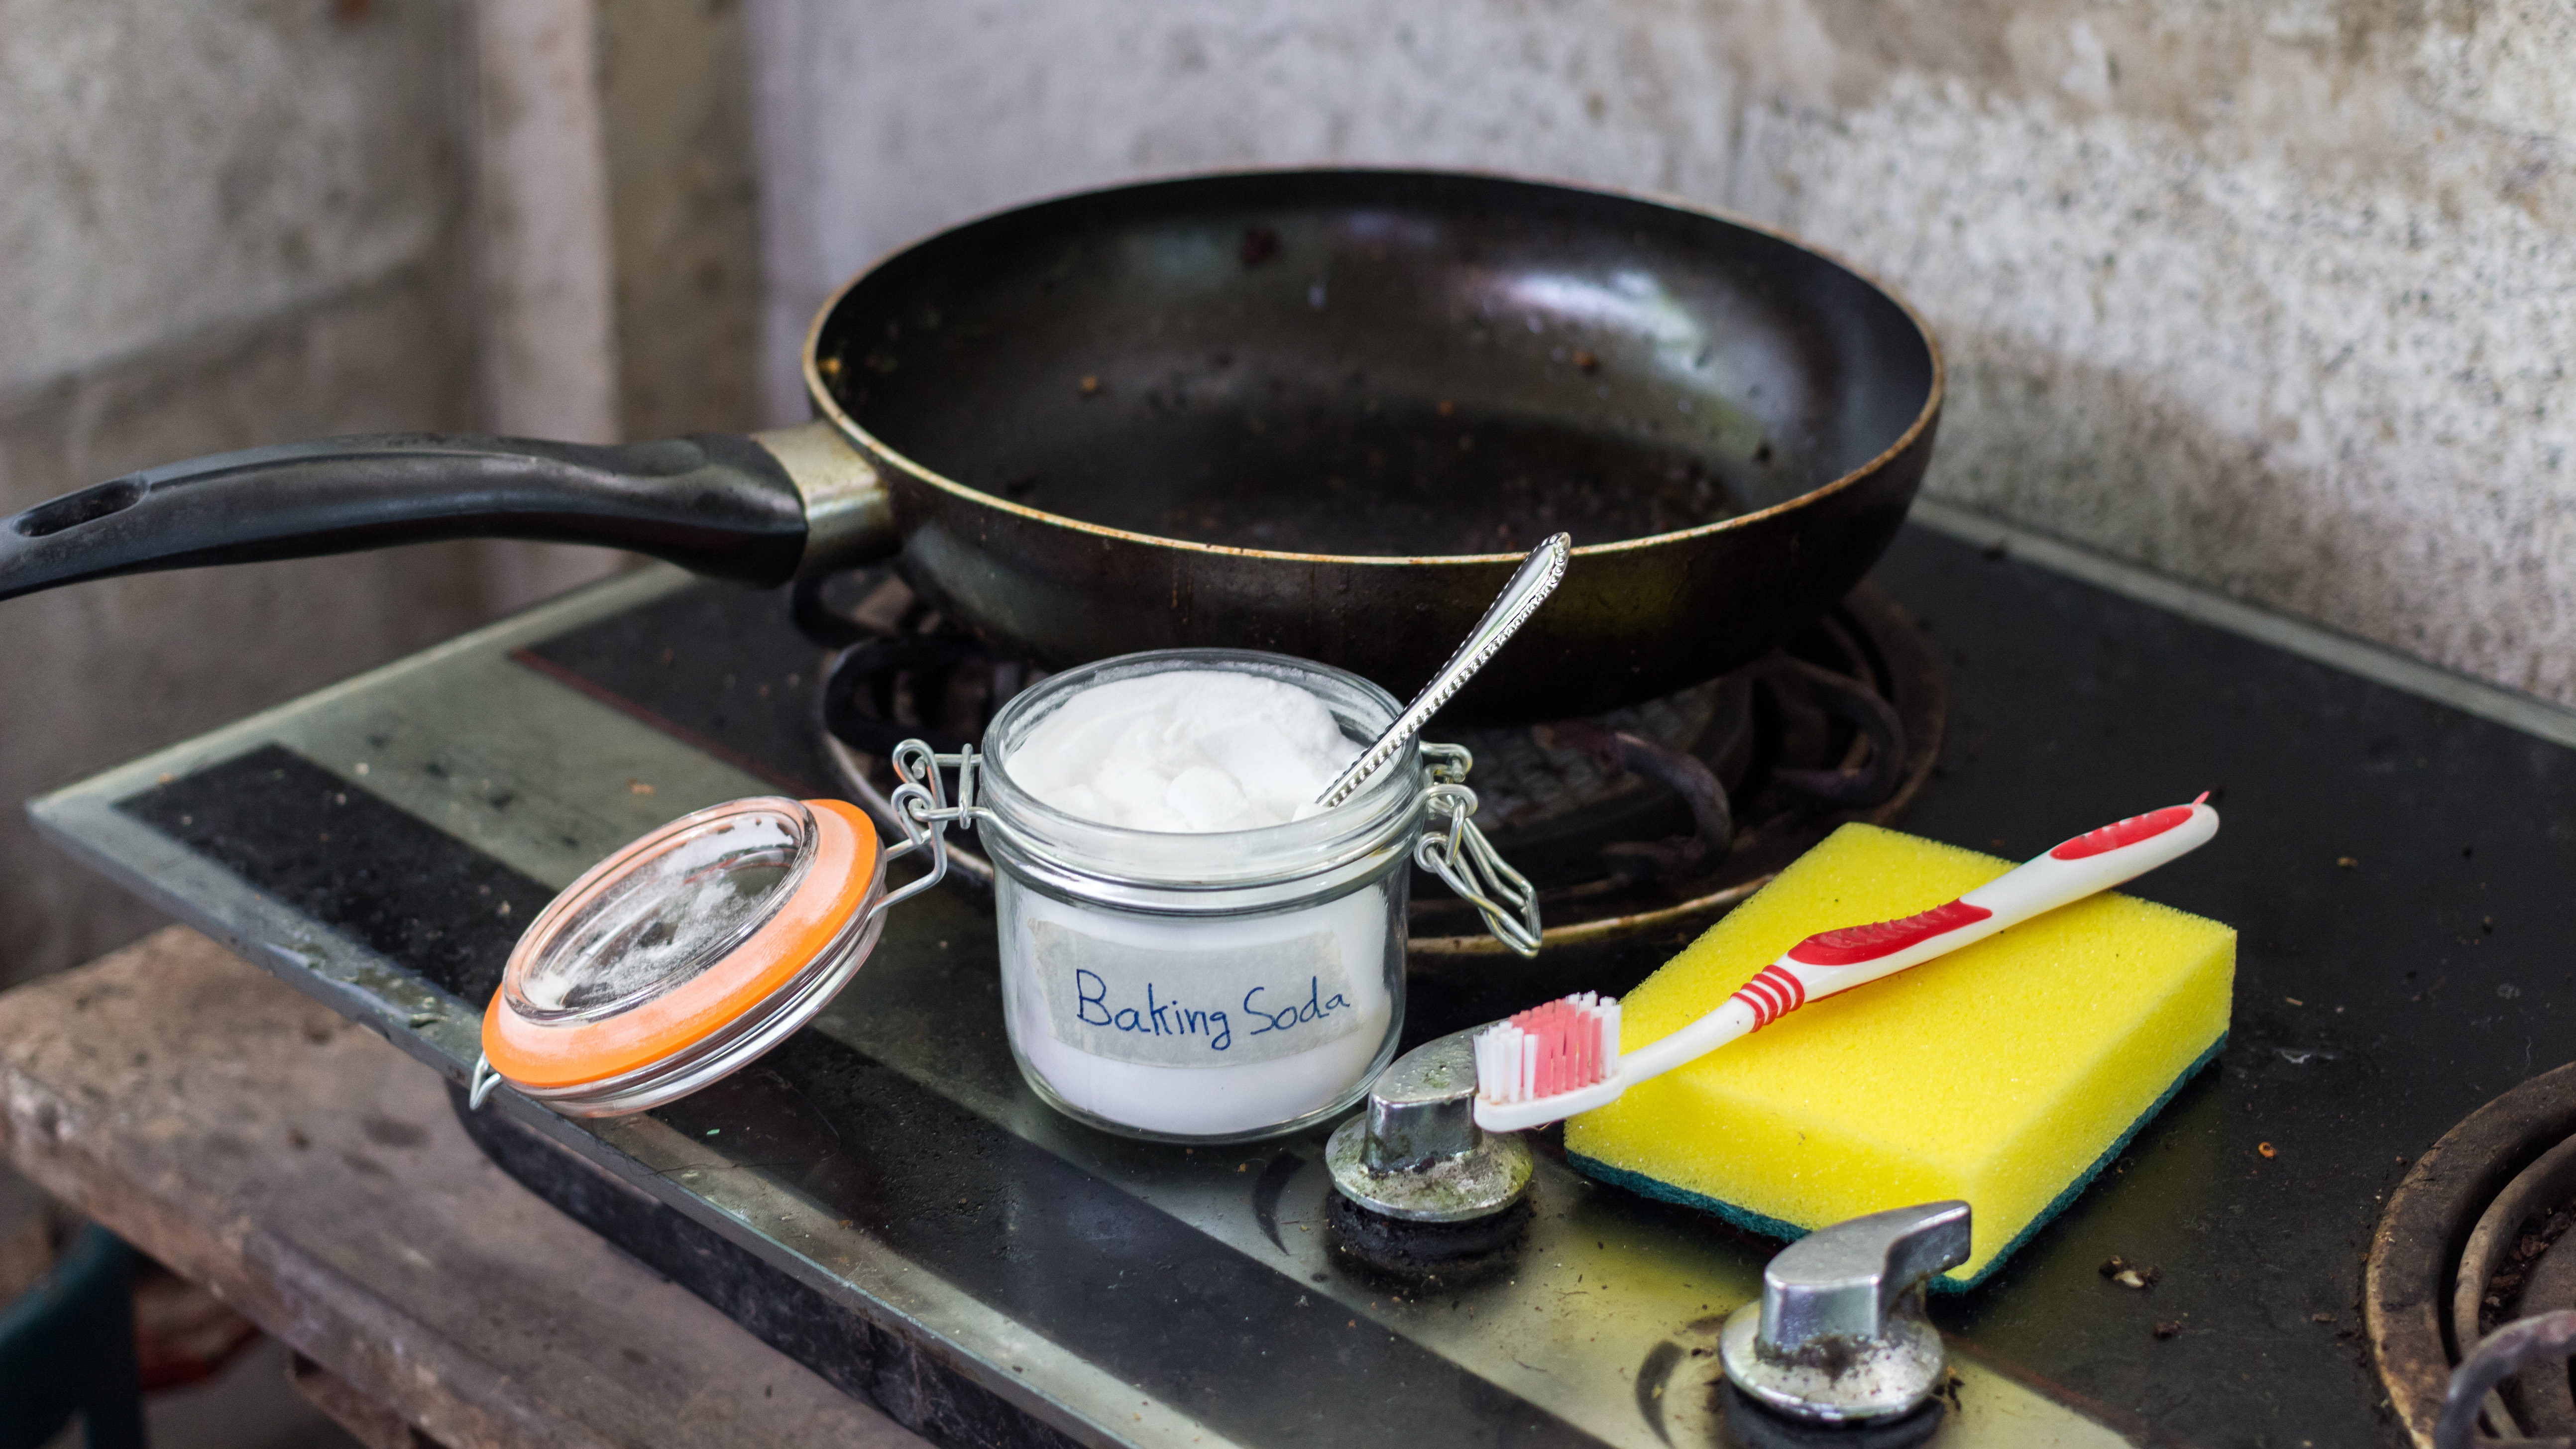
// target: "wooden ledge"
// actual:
[[315, 1178]]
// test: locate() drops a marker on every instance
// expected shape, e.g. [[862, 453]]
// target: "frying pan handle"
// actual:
[[728, 505]]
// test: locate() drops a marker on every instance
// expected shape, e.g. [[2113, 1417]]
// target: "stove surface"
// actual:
[[2396, 867]]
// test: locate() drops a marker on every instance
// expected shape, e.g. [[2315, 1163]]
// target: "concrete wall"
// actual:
[[224, 223], [2277, 297], [684, 212], [234, 222], [2281, 297]]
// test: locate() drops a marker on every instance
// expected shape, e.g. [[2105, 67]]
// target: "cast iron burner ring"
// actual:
[[2457, 1257]]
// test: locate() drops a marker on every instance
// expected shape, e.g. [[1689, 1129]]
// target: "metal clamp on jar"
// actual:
[[1190, 988], [686, 955]]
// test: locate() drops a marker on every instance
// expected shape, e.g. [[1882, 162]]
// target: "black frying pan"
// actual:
[[1320, 412]]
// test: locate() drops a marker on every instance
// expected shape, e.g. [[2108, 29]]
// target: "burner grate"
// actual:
[[1657, 817]]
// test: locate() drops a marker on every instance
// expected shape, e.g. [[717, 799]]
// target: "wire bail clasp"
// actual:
[[1453, 849], [482, 1083], [921, 808]]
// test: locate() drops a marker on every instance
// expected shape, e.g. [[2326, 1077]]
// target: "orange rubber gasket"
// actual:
[[834, 889]]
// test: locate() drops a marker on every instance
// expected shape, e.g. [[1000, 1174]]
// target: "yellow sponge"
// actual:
[[2007, 1073]]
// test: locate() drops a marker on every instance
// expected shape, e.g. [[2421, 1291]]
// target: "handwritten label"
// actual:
[[1216, 1008]]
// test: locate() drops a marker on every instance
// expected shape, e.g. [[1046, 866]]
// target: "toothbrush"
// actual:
[[1556, 1060]]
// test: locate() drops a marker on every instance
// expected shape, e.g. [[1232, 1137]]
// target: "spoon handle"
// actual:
[[1536, 578]]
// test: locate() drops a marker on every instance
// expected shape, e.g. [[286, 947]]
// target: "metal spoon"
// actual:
[[1537, 578]]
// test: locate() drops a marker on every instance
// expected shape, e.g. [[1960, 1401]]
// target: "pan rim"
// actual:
[[819, 394]]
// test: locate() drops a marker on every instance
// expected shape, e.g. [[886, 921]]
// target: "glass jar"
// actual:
[[1189, 988], [1213, 987]]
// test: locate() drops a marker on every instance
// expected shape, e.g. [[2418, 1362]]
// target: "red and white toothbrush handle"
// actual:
[[1835, 961]]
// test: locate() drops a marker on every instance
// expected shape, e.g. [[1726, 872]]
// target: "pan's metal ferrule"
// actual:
[[1416, 1152], [849, 514], [1537, 577], [1839, 1334]]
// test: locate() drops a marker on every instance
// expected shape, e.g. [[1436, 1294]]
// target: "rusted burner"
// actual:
[[2469, 1243], [1679, 771], [1751, 1426], [898, 670], [1652, 819], [1422, 1258]]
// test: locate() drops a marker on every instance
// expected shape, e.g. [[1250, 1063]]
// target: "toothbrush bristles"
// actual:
[[1559, 1047]]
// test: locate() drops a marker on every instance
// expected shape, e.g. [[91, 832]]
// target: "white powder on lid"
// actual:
[[668, 919], [1191, 751]]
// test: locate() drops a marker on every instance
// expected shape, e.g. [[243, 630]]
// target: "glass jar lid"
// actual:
[[688, 953]]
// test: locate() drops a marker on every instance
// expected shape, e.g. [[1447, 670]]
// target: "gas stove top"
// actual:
[[882, 1197]]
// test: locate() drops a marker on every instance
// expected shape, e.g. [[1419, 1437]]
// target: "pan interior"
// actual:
[[1375, 363]]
